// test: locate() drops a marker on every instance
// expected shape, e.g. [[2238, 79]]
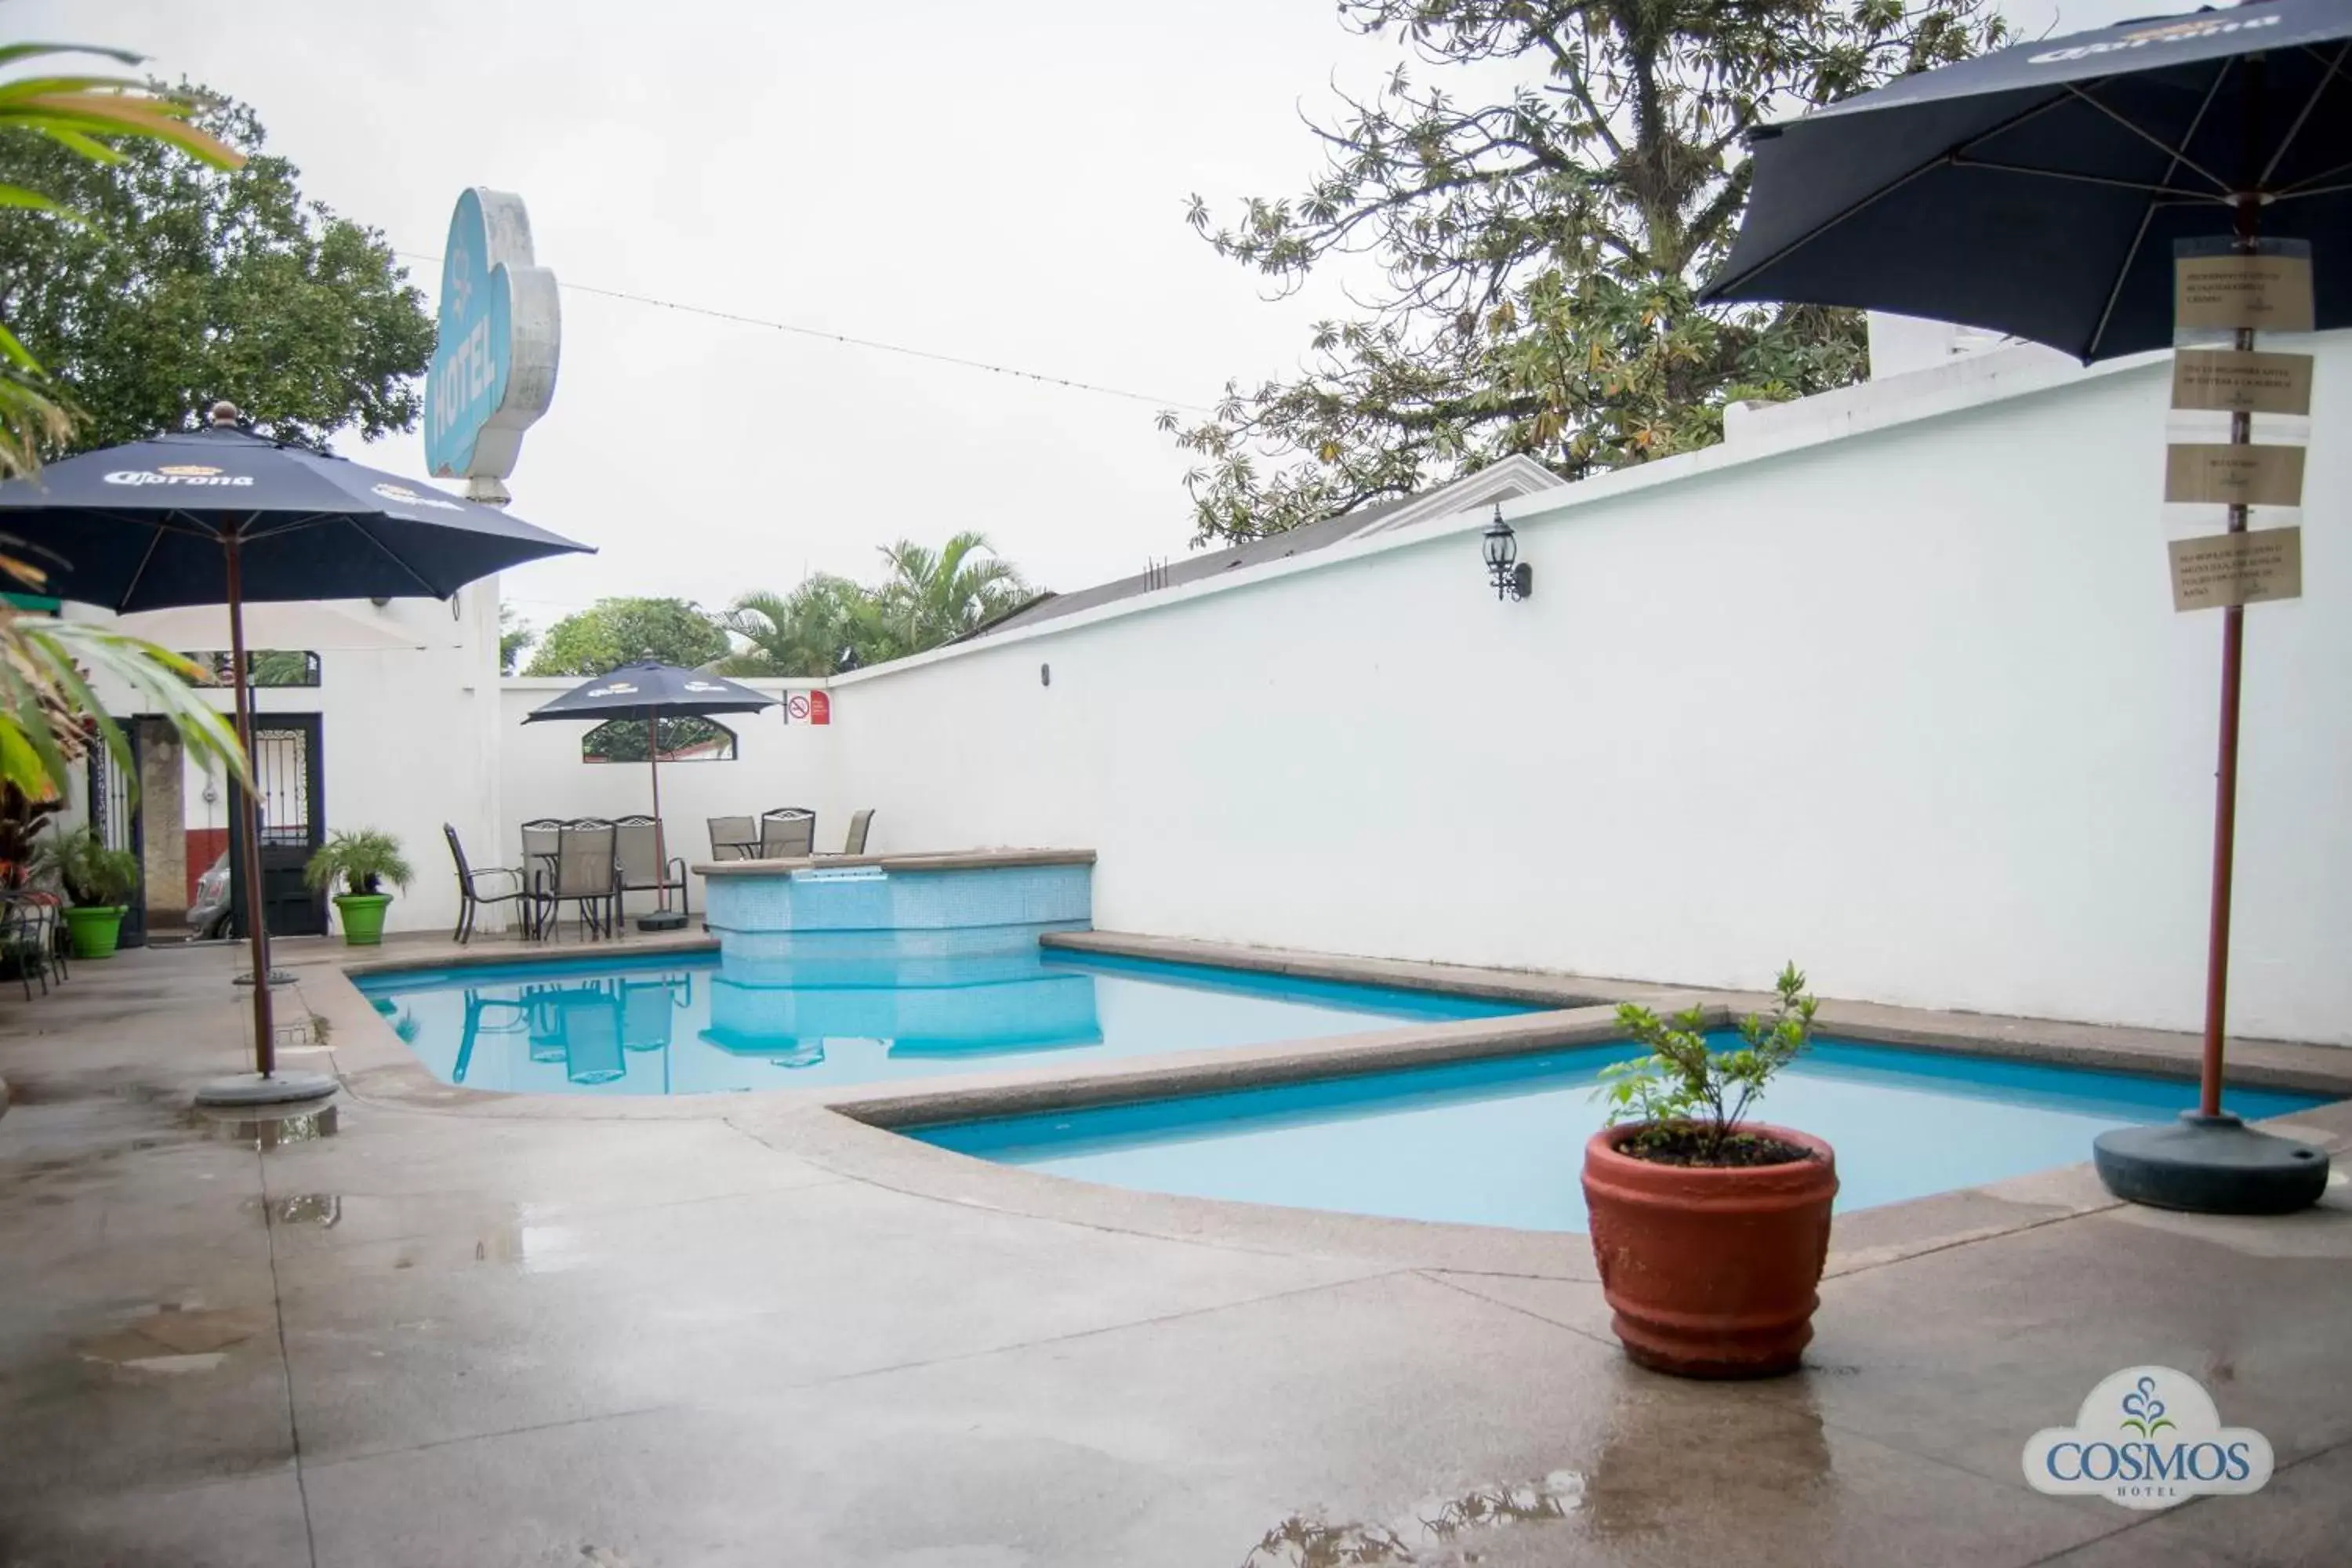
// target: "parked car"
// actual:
[[208, 916]]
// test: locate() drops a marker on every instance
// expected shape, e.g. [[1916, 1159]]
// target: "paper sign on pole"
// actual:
[[2238, 380], [2225, 293], [2232, 475], [2220, 569]]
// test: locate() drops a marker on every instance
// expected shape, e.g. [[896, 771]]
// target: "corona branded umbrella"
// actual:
[[650, 691], [2041, 190], [221, 516]]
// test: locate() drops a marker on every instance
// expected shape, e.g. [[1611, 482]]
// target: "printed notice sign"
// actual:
[[2233, 475], [2241, 381], [2222, 569], [2267, 293]]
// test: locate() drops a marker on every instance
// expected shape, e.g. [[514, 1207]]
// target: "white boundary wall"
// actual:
[[1890, 684]]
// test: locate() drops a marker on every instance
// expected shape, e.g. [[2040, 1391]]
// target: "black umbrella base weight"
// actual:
[[278, 1089], [662, 920], [2211, 1164]]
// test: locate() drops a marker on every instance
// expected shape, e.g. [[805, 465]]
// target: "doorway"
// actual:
[[290, 790]]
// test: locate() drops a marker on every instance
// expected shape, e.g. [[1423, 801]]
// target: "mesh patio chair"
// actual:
[[854, 841], [787, 833], [488, 885], [733, 837], [585, 872], [637, 843], [26, 940]]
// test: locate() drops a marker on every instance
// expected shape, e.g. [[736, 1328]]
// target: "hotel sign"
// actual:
[[493, 372]]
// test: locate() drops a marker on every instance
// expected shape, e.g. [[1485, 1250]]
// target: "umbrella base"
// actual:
[[662, 920], [277, 977], [278, 1089], [2211, 1164]]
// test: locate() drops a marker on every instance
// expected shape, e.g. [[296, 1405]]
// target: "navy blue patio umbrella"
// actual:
[[222, 516], [2039, 191], [650, 691]]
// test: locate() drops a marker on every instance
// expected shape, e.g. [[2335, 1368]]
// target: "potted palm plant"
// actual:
[[96, 881], [1710, 1230], [363, 861]]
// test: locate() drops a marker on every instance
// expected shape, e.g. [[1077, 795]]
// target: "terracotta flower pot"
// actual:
[[1710, 1270]]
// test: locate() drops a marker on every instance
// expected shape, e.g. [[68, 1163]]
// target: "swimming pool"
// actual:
[[1501, 1141], [840, 1010]]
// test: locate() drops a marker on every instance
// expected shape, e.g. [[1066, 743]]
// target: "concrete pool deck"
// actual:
[[749, 1330]]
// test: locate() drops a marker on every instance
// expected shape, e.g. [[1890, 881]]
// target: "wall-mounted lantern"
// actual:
[[1513, 578]]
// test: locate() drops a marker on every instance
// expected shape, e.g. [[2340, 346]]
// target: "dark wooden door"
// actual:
[[114, 818], [290, 789]]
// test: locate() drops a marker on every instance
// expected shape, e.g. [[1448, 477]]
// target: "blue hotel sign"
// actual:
[[493, 372]]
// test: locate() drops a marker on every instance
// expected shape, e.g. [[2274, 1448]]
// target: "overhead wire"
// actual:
[[1043, 378]]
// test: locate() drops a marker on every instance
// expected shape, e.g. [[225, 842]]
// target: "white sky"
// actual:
[[1003, 183]]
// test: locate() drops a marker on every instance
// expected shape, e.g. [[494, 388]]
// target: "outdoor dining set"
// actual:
[[592, 863]]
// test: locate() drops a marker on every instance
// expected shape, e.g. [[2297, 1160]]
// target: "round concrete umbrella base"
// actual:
[[662, 920], [278, 1089], [2211, 1164]]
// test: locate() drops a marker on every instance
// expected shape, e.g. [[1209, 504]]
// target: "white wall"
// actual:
[[1910, 706], [776, 764]]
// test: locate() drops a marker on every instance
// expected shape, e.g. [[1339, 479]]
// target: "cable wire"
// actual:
[[1041, 377]]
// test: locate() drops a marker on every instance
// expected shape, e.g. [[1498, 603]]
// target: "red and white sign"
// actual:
[[808, 708]]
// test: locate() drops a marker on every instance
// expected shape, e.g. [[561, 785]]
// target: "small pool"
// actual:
[[839, 1010], [1501, 1141]]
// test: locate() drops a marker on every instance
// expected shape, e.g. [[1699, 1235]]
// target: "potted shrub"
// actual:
[[1710, 1229], [96, 881], [363, 861]]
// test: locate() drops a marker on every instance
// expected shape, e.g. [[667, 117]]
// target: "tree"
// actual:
[[934, 596], [824, 626], [48, 715], [615, 632], [1541, 255], [195, 278], [515, 637]]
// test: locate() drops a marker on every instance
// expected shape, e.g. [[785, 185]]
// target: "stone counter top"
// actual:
[[940, 860]]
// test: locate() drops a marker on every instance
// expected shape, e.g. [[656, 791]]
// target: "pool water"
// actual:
[[851, 1013], [1501, 1141]]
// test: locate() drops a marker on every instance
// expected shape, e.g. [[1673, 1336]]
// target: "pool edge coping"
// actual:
[[854, 1131]]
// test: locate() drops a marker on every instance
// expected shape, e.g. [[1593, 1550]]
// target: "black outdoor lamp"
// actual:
[[1511, 582]]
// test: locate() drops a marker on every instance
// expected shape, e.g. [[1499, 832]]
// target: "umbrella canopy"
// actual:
[[2037, 191], [143, 526], [651, 689]]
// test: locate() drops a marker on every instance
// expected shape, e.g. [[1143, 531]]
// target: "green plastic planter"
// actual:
[[95, 928], [362, 917]]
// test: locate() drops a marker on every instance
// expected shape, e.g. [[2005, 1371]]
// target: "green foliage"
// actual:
[[624, 740], [515, 637], [92, 874], [1682, 1086], [830, 623], [45, 700], [364, 859], [186, 281], [1541, 253], [615, 632]]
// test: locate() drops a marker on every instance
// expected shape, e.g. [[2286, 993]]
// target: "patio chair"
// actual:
[[788, 832], [854, 841], [488, 885], [585, 872], [638, 844], [26, 939], [733, 837]]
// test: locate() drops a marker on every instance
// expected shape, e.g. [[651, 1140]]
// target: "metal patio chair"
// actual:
[[787, 833], [487, 885], [638, 843], [734, 837], [585, 872], [854, 841]]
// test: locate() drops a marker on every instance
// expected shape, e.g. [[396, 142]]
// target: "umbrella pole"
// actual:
[[265, 1044], [653, 763]]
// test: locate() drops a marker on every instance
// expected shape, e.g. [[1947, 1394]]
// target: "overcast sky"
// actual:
[[1003, 182]]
